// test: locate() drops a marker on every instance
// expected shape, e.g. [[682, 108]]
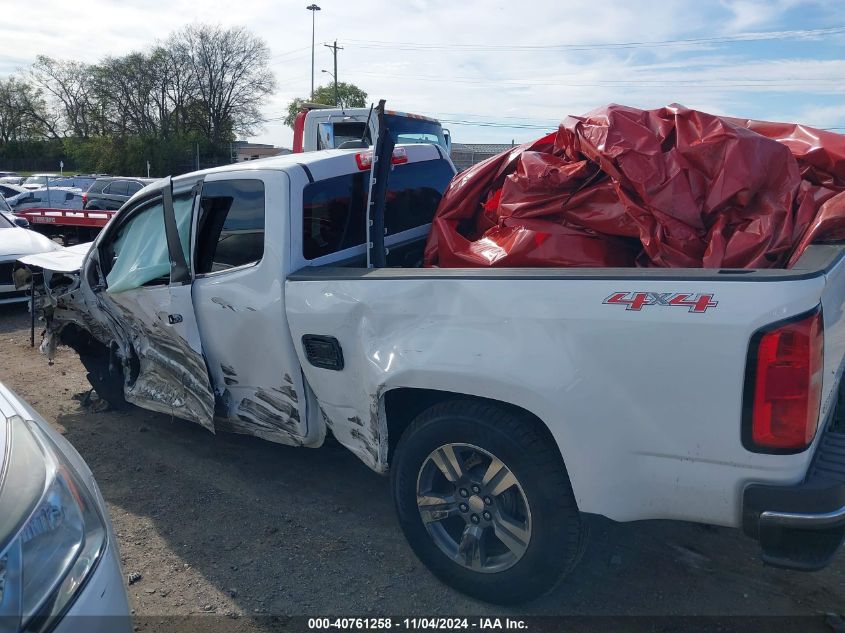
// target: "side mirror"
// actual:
[[22, 222]]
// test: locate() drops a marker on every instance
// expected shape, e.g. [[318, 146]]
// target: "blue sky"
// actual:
[[484, 66]]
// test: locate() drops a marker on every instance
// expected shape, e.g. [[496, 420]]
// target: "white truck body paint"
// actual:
[[171, 377], [66, 260], [250, 354], [645, 406], [655, 393]]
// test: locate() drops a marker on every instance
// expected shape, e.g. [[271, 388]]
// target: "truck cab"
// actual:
[[319, 127]]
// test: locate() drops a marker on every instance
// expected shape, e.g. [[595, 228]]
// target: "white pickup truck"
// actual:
[[505, 403], [319, 127]]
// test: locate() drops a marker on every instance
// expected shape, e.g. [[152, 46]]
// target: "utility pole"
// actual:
[[335, 48], [313, 8], [198, 156]]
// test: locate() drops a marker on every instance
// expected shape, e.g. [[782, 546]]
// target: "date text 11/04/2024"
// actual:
[[417, 624]]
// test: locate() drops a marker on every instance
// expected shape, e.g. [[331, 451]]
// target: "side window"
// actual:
[[133, 187], [414, 192], [230, 231], [137, 255], [117, 188], [333, 214], [334, 209]]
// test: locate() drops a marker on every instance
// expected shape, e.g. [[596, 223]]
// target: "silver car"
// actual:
[[52, 198], [16, 240], [59, 565]]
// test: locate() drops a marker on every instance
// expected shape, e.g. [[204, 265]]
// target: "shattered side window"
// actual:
[[138, 254], [230, 231]]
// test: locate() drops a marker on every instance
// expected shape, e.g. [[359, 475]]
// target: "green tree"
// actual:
[[349, 96]]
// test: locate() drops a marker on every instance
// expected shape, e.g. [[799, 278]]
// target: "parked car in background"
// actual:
[[17, 220], [12, 180], [36, 181], [8, 190], [110, 193], [16, 240], [6, 174], [6, 211], [83, 183], [47, 198], [60, 560]]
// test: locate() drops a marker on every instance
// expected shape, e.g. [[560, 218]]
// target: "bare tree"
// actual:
[[23, 113], [231, 76], [70, 84], [177, 86], [127, 88]]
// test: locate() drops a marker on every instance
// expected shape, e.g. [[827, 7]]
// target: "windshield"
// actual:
[[420, 137], [36, 180], [410, 130], [348, 131]]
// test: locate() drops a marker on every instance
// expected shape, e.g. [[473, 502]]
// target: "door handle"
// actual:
[[173, 319]]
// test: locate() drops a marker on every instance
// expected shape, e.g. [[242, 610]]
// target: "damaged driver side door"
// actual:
[[147, 295]]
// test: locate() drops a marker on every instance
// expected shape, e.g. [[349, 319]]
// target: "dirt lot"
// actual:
[[238, 527]]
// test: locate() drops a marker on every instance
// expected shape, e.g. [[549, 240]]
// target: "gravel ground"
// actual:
[[242, 528]]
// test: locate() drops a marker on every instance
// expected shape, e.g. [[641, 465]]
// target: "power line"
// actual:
[[293, 50], [697, 41], [687, 84], [564, 80]]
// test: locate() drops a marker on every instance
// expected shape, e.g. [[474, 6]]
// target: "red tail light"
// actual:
[[783, 385], [365, 159], [84, 199]]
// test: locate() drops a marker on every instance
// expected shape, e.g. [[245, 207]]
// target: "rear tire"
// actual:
[[506, 478]]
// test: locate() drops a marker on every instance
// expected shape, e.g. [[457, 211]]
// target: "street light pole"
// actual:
[[328, 72], [313, 8]]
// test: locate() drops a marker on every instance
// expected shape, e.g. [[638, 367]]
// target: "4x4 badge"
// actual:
[[637, 300]]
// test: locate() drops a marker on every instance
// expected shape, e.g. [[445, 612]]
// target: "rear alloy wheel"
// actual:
[[473, 508], [484, 499]]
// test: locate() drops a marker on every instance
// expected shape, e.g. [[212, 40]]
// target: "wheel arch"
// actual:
[[403, 404]]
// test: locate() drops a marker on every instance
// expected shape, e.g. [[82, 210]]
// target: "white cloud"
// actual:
[[534, 86]]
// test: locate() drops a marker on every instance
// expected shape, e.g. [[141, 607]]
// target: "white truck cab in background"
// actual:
[[321, 127]]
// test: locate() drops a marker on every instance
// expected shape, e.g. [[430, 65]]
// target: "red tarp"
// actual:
[[670, 187]]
